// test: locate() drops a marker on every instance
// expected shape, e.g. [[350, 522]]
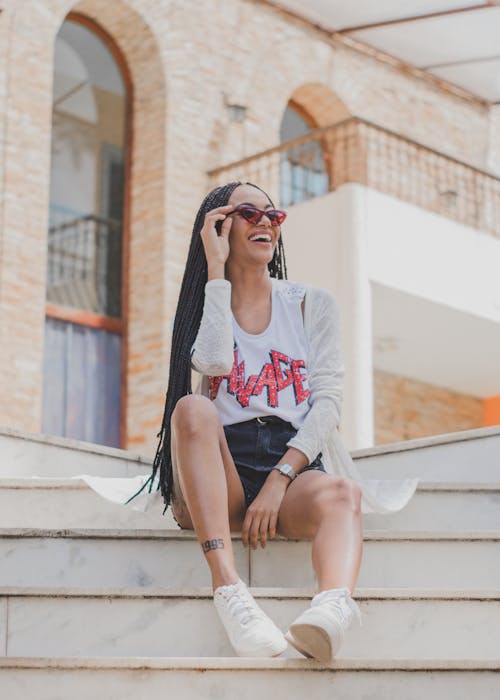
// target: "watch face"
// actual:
[[287, 469]]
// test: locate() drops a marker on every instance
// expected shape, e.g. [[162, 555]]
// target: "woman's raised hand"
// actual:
[[216, 246]]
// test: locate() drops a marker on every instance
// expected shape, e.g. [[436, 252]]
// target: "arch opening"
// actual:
[[83, 349], [306, 165]]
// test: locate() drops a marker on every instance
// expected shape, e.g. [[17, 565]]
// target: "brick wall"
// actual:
[[406, 409], [186, 60]]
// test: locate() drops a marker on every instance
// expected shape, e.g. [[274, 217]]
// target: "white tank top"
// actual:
[[269, 373]]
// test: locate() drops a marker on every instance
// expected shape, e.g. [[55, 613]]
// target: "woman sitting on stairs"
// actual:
[[256, 448]]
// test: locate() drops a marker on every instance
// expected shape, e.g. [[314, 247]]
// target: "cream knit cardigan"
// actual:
[[212, 354]]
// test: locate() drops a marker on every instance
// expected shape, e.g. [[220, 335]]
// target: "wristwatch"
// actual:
[[287, 470]]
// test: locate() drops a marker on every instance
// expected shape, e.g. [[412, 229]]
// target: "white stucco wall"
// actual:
[[360, 242], [408, 248]]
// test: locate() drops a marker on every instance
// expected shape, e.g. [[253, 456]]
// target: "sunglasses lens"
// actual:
[[276, 216], [251, 215]]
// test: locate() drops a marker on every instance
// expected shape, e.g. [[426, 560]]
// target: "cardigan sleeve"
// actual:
[[325, 374], [212, 350]]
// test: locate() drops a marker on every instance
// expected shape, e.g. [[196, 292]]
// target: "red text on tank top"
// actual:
[[272, 376]]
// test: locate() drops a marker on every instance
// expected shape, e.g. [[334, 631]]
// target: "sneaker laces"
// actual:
[[340, 602], [240, 604]]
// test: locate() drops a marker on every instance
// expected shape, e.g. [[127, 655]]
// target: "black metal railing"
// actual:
[[84, 267]]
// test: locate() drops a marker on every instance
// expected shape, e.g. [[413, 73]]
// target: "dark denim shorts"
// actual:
[[256, 446]]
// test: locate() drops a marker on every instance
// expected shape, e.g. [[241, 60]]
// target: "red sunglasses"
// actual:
[[254, 215]]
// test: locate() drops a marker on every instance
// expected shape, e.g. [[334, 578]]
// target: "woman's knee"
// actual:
[[339, 493], [193, 413]]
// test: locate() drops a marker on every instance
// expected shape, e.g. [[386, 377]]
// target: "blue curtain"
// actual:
[[82, 383]]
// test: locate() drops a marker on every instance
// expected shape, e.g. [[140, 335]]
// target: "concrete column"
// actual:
[[353, 293]]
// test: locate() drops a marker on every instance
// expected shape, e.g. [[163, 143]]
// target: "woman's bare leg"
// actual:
[[326, 510], [211, 499]]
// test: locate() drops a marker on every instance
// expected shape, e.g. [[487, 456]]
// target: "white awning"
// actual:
[[455, 40]]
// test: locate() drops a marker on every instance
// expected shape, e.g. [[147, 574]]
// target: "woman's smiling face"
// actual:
[[242, 248]]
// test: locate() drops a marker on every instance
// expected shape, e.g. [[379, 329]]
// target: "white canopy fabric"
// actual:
[[455, 40]]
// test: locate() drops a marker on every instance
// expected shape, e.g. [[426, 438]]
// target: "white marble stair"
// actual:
[[59, 503], [68, 503], [133, 622], [466, 456], [469, 455], [246, 679], [444, 506], [24, 454], [90, 590], [460, 475], [147, 558]]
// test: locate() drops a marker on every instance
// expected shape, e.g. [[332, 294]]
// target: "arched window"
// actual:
[[82, 395], [302, 167]]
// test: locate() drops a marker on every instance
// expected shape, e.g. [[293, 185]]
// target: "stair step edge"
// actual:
[[178, 534], [75, 483], [257, 592], [236, 663]]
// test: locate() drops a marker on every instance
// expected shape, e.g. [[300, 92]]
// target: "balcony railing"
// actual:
[[356, 150], [84, 265]]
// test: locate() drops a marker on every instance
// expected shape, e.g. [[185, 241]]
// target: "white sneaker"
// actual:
[[250, 630], [319, 631]]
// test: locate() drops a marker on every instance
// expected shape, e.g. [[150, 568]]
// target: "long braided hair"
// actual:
[[186, 325]]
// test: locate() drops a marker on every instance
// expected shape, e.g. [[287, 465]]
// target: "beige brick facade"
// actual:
[[406, 409], [186, 59]]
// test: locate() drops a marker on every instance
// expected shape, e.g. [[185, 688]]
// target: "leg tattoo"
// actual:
[[212, 544]]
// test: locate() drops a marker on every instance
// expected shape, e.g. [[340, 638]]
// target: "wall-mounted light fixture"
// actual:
[[449, 198], [387, 343], [237, 113]]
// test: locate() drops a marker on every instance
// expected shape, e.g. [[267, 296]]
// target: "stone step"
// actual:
[[470, 455], [61, 503], [444, 506], [25, 454], [152, 558], [130, 622], [70, 503], [246, 679]]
